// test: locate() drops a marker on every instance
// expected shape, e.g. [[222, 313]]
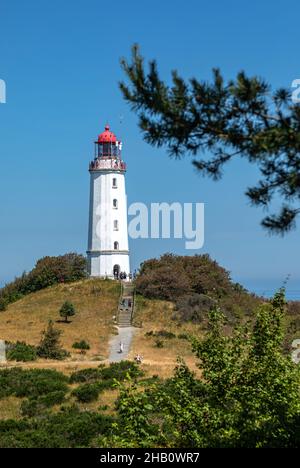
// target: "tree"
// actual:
[[67, 310], [50, 347], [240, 118]]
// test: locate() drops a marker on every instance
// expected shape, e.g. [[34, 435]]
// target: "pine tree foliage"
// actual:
[[220, 121]]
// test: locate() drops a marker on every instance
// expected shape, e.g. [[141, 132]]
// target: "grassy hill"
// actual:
[[95, 301]]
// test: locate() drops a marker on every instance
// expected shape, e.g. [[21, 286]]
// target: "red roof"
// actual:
[[107, 136]]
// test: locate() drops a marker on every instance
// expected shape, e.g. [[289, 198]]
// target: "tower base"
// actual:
[[108, 264]]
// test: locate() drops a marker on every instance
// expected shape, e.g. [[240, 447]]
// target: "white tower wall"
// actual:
[[107, 223]]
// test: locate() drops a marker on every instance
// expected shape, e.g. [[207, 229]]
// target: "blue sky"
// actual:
[[60, 61]]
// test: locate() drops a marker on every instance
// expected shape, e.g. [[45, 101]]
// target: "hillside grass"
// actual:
[[96, 302], [156, 315]]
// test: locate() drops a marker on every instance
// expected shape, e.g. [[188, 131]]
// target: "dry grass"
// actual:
[[95, 301], [155, 315], [10, 408]]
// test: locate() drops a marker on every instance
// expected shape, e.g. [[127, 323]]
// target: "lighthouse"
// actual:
[[108, 253]]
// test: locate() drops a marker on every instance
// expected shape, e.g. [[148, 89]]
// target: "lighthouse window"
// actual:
[[116, 245], [116, 225], [114, 182], [115, 203]]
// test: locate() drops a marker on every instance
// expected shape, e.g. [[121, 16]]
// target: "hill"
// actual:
[[95, 302]]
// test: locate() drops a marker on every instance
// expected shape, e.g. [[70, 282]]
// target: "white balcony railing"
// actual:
[[107, 164]]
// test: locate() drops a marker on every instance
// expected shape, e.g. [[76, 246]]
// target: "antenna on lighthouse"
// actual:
[[121, 120]]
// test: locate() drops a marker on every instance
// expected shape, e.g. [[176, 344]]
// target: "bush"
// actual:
[[85, 375], [116, 370], [183, 336], [87, 392], [31, 383], [50, 347], [69, 428], [172, 277], [82, 345], [21, 351], [162, 283], [159, 343], [36, 406], [161, 334], [193, 308], [120, 370], [3, 304]]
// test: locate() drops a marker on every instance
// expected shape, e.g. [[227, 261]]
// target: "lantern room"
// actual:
[[107, 145]]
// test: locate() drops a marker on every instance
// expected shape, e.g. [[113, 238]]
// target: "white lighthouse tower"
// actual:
[[108, 253]]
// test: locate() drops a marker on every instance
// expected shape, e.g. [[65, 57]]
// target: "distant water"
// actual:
[[267, 288]]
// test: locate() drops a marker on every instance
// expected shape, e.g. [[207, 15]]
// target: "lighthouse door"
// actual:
[[116, 271]]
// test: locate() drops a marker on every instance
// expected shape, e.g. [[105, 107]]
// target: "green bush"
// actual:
[[21, 351], [87, 392], [161, 334], [86, 375], [31, 383], [82, 345], [36, 406], [69, 428], [183, 336], [120, 370], [159, 343], [3, 304]]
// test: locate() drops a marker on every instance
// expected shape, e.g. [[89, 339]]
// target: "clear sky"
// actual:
[[60, 61]]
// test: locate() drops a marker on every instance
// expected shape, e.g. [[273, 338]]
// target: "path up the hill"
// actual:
[[125, 328]]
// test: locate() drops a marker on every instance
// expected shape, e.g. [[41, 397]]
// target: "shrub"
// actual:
[[50, 347], [21, 351], [69, 428], [87, 392], [82, 345], [3, 304], [161, 334], [31, 383], [183, 336], [171, 277], [116, 370], [162, 283], [193, 308], [159, 343], [120, 370], [36, 406], [37, 382], [85, 375]]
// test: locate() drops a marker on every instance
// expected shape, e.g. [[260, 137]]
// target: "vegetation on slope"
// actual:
[[48, 271], [195, 284]]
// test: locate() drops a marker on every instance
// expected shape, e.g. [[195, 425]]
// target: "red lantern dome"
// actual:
[[107, 136]]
